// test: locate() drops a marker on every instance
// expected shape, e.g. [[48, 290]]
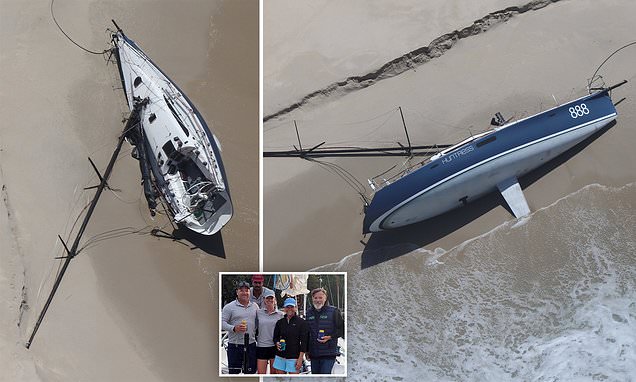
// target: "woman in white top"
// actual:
[[266, 318]]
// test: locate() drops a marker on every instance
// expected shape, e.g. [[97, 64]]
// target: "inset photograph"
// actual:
[[282, 323]]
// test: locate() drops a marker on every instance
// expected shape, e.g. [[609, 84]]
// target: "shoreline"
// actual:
[[439, 251], [446, 99], [134, 306]]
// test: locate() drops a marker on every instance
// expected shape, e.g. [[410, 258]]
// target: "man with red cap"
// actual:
[[257, 291]]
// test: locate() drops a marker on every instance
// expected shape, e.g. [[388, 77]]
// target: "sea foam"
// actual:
[[553, 298]]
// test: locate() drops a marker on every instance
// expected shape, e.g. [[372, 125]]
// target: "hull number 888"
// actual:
[[578, 111]]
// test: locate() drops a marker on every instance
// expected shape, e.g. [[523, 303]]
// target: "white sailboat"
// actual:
[[179, 156]]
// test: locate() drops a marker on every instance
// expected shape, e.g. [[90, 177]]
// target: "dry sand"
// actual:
[[331, 40], [133, 307], [312, 218]]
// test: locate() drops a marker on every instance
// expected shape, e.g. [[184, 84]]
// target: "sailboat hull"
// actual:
[[183, 154], [475, 168]]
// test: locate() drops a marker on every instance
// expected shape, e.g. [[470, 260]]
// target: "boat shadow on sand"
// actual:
[[210, 244], [387, 245]]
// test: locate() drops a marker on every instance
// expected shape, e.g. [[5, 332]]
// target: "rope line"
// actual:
[[607, 59], [69, 37], [353, 182]]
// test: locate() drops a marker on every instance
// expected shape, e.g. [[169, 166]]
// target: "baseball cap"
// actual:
[[242, 284], [290, 301], [258, 278], [268, 293]]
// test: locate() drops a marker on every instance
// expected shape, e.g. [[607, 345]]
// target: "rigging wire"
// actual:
[[93, 240], [69, 38], [435, 121], [56, 246], [345, 175], [81, 213], [47, 277], [114, 234], [371, 119], [388, 115], [607, 59], [285, 123]]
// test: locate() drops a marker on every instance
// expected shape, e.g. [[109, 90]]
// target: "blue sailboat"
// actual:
[[488, 162]]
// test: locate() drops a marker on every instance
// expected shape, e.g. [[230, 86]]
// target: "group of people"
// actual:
[[260, 335]]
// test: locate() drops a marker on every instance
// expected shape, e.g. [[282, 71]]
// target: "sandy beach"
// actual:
[[516, 61], [132, 307], [474, 294]]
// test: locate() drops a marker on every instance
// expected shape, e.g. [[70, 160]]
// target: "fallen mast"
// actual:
[[70, 254]]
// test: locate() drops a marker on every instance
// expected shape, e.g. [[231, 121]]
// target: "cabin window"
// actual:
[[435, 165], [137, 81], [171, 152], [176, 116], [152, 118], [168, 148], [486, 141]]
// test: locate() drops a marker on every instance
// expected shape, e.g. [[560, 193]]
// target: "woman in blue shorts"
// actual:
[[291, 335]]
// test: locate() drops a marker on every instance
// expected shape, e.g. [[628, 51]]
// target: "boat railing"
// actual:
[[380, 181], [384, 179], [596, 83], [460, 144], [200, 135]]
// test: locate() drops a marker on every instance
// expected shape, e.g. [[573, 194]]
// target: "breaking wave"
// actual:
[[551, 297]]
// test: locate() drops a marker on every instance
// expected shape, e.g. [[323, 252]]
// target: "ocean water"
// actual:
[[551, 297]]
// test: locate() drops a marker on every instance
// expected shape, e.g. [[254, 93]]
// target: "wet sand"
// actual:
[[133, 307], [516, 67]]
